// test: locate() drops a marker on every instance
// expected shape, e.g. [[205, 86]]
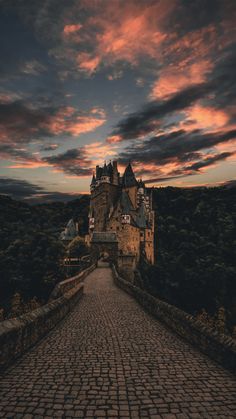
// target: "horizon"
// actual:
[[146, 81]]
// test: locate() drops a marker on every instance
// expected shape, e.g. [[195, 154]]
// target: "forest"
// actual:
[[30, 249], [195, 244], [195, 247]]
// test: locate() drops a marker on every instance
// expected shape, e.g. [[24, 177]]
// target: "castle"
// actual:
[[121, 219]]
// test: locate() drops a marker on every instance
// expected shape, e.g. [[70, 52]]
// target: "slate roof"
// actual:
[[129, 179], [70, 231], [126, 203], [141, 217]]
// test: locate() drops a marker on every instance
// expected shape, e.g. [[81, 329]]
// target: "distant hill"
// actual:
[[16, 217]]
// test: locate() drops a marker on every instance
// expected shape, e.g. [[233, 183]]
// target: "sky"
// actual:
[[88, 81]]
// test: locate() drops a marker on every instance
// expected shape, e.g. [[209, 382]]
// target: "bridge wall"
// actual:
[[19, 334], [220, 348]]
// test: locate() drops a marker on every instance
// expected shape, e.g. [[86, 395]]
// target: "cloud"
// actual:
[[82, 160], [71, 29], [33, 67], [209, 161], [49, 147], [167, 154], [18, 188], [21, 124], [113, 28], [146, 120], [74, 161], [29, 192], [173, 79]]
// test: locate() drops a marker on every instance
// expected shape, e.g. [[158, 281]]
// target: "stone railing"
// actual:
[[220, 348], [62, 287], [17, 335]]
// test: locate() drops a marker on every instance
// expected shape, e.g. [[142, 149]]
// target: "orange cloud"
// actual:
[[123, 31], [88, 63], [66, 121], [70, 29], [99, 151], [203, 117], [114, 139], [174, 79], [27, 164]]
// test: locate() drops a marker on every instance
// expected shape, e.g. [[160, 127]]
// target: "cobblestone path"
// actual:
[[110, 359]]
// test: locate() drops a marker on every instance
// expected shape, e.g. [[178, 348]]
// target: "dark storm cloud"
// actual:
[[21, 122], [224, 73], [195, 14], [49, 147], [24, 190], [219, 91], [8, 150], [143, 122], [209, 161], [73, 162], [18, 189], [180, 146]]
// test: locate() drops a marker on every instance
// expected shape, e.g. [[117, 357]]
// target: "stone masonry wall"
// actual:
[[19, 334], [219, 347]]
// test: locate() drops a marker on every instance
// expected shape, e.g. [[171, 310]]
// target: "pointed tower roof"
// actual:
[[110, 169], [129, 177], [105, 170], [93, 182]]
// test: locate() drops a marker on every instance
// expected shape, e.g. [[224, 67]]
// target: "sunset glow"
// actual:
[[146, 81]]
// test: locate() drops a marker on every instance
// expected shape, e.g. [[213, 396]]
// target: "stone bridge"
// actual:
[[110, 359]]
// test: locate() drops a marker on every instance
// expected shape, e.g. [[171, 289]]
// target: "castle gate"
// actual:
[[104, 244]]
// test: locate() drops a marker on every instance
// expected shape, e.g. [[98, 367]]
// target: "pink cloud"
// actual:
[[71, 29], [173, 79], [205, 117], [67, 120], [122, 31]]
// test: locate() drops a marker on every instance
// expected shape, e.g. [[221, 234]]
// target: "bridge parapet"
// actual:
[[64, 286], [17, 335], [219, 347]]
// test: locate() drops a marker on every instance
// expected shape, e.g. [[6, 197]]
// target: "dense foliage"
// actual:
[[30, 249], [195, 250]]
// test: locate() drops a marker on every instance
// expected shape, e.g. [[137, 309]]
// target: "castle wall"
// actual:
[[149, 245], [102, 198]]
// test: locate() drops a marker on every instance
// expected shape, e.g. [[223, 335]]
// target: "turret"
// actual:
[[93, 183], [105, 178], [116, 175]]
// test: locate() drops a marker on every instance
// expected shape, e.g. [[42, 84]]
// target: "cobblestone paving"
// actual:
[[109, 359]]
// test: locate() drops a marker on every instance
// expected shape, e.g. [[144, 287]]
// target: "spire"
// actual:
[[105, 170], [129, 177], [110, 169], [93, 182]]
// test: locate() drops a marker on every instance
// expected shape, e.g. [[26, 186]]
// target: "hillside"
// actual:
[[29, 247], [195, 247]]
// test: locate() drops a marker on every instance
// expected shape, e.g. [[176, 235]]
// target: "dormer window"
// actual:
[[91, 223], [125, 219]]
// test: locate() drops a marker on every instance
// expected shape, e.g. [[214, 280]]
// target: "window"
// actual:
[[125, 219]]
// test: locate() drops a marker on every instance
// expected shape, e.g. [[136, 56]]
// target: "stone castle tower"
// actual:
[[121, 220]]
